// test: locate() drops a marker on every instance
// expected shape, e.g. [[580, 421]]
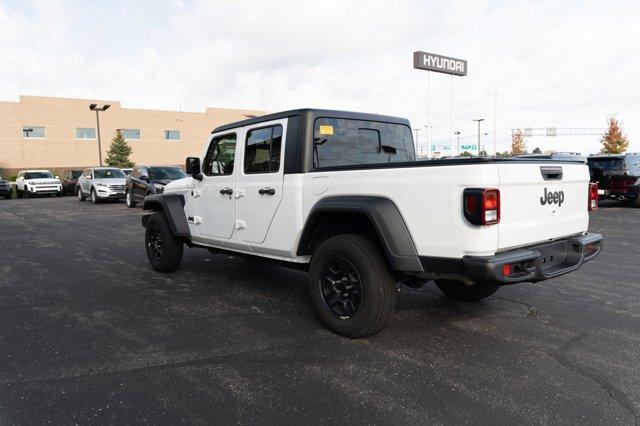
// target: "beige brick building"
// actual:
[[60, 133]]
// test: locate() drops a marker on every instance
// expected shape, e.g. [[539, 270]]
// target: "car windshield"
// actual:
[[38, 175], [166, 173], [108, 174], [633, 164]]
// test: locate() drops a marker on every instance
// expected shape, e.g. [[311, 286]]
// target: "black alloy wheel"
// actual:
[[341, 287], [155, 244]]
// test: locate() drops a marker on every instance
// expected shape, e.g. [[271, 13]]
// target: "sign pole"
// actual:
[[428, 115], [451, 119]]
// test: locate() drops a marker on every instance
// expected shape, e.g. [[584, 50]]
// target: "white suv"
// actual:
[[102, 183], [37, 182], [342, 195]]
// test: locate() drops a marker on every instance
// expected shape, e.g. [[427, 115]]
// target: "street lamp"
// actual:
[[417, 142], [479, 120], [457, 133], [94, 107], [27, 131]]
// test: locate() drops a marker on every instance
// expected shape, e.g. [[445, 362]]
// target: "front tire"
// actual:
[[636, 202], [351, 286], [129, 199], [459, 291], [94, 196], [81, 196], [163, 249]]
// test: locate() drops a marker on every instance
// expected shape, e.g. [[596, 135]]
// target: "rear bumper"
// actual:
[[630, 192], [529, 264]]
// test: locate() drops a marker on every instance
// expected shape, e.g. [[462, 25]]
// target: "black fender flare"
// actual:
[[386, 219], [173, 207]]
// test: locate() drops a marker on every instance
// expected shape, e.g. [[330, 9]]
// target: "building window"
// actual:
[[85, 133], [33, 132], [172, 135], [131, 134]]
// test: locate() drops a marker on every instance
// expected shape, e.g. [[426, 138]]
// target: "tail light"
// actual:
[[593, 196], [482, 206]]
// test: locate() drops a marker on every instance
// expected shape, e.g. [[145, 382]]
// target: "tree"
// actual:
[[466, 154], [517, 143], [119, 152], [536, 150], [614, 141]]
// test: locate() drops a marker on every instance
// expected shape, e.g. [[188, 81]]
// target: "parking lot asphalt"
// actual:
[[90, 333]]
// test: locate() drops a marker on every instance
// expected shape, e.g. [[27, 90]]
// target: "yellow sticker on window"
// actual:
[[326, 129]]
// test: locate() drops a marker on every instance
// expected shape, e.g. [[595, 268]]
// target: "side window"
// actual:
[[262, 150], [135, 173], [87, 174], [220, 156]]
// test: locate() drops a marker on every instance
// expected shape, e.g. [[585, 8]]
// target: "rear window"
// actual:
[[613, 163], [348, 142]]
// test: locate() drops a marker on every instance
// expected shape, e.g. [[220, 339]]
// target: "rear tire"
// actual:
[[129, 199], [26, 194], [81, 196], [163, 249], [351, 286], [459, 291]]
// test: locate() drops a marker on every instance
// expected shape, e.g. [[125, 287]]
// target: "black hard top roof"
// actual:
[[315, 112]]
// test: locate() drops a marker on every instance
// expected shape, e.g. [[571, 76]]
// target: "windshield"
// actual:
[[38, 175], [108, 174], [166, 173]]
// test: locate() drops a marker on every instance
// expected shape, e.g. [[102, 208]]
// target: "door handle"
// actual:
[[267, 191], [226, 191]]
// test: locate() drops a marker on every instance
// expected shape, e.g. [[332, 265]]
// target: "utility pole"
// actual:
[[457, 133], [416, 143], [495, 121], [479, 120], [94, 107], [429, 114]]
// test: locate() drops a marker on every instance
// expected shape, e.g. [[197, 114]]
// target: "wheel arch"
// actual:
[[381, 214], [172, 205]]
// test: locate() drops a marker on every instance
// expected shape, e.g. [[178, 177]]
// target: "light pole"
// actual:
[[94, 107], [417, 144], [479, 120], [457, 133], [27, 131]]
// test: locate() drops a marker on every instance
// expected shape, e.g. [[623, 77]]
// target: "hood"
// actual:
[[111, 181], [179, 184], [45, 181], [162, 181]]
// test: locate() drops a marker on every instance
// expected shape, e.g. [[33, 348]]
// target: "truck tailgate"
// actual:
[[538, 204]]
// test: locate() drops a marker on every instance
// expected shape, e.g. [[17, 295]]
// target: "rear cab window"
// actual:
[[348, 142]]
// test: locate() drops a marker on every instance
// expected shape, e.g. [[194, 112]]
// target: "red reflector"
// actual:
[[471, 204], [506, 270]]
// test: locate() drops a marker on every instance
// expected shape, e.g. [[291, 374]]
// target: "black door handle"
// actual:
[[267, 191], [226, 191]]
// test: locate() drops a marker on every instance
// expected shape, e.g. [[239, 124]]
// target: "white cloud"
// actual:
[[553, 64]]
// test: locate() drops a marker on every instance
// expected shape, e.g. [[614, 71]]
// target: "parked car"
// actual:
[[617, 176], [70, 181], [101, 183], [37, 182], [5, 188], [571, 156], [127, 171], [341, 195], [146, 180]]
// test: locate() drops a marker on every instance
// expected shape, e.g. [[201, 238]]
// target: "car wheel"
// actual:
[[26, 194], [81, 196], [351, 286], [94, 196], [636, 202], [7, 196], [163, 249], [129, 198], [460, 291]]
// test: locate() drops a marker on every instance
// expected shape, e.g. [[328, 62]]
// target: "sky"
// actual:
[[539, 64]]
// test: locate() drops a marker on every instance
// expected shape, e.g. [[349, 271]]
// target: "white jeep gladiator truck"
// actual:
[[342, 195]]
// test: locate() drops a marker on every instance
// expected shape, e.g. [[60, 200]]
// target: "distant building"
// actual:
[[59, 133]]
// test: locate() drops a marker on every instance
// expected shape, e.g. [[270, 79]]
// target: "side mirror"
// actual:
[[192, 167]]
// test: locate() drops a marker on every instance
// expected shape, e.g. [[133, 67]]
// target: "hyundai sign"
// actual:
[[439, 63]]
